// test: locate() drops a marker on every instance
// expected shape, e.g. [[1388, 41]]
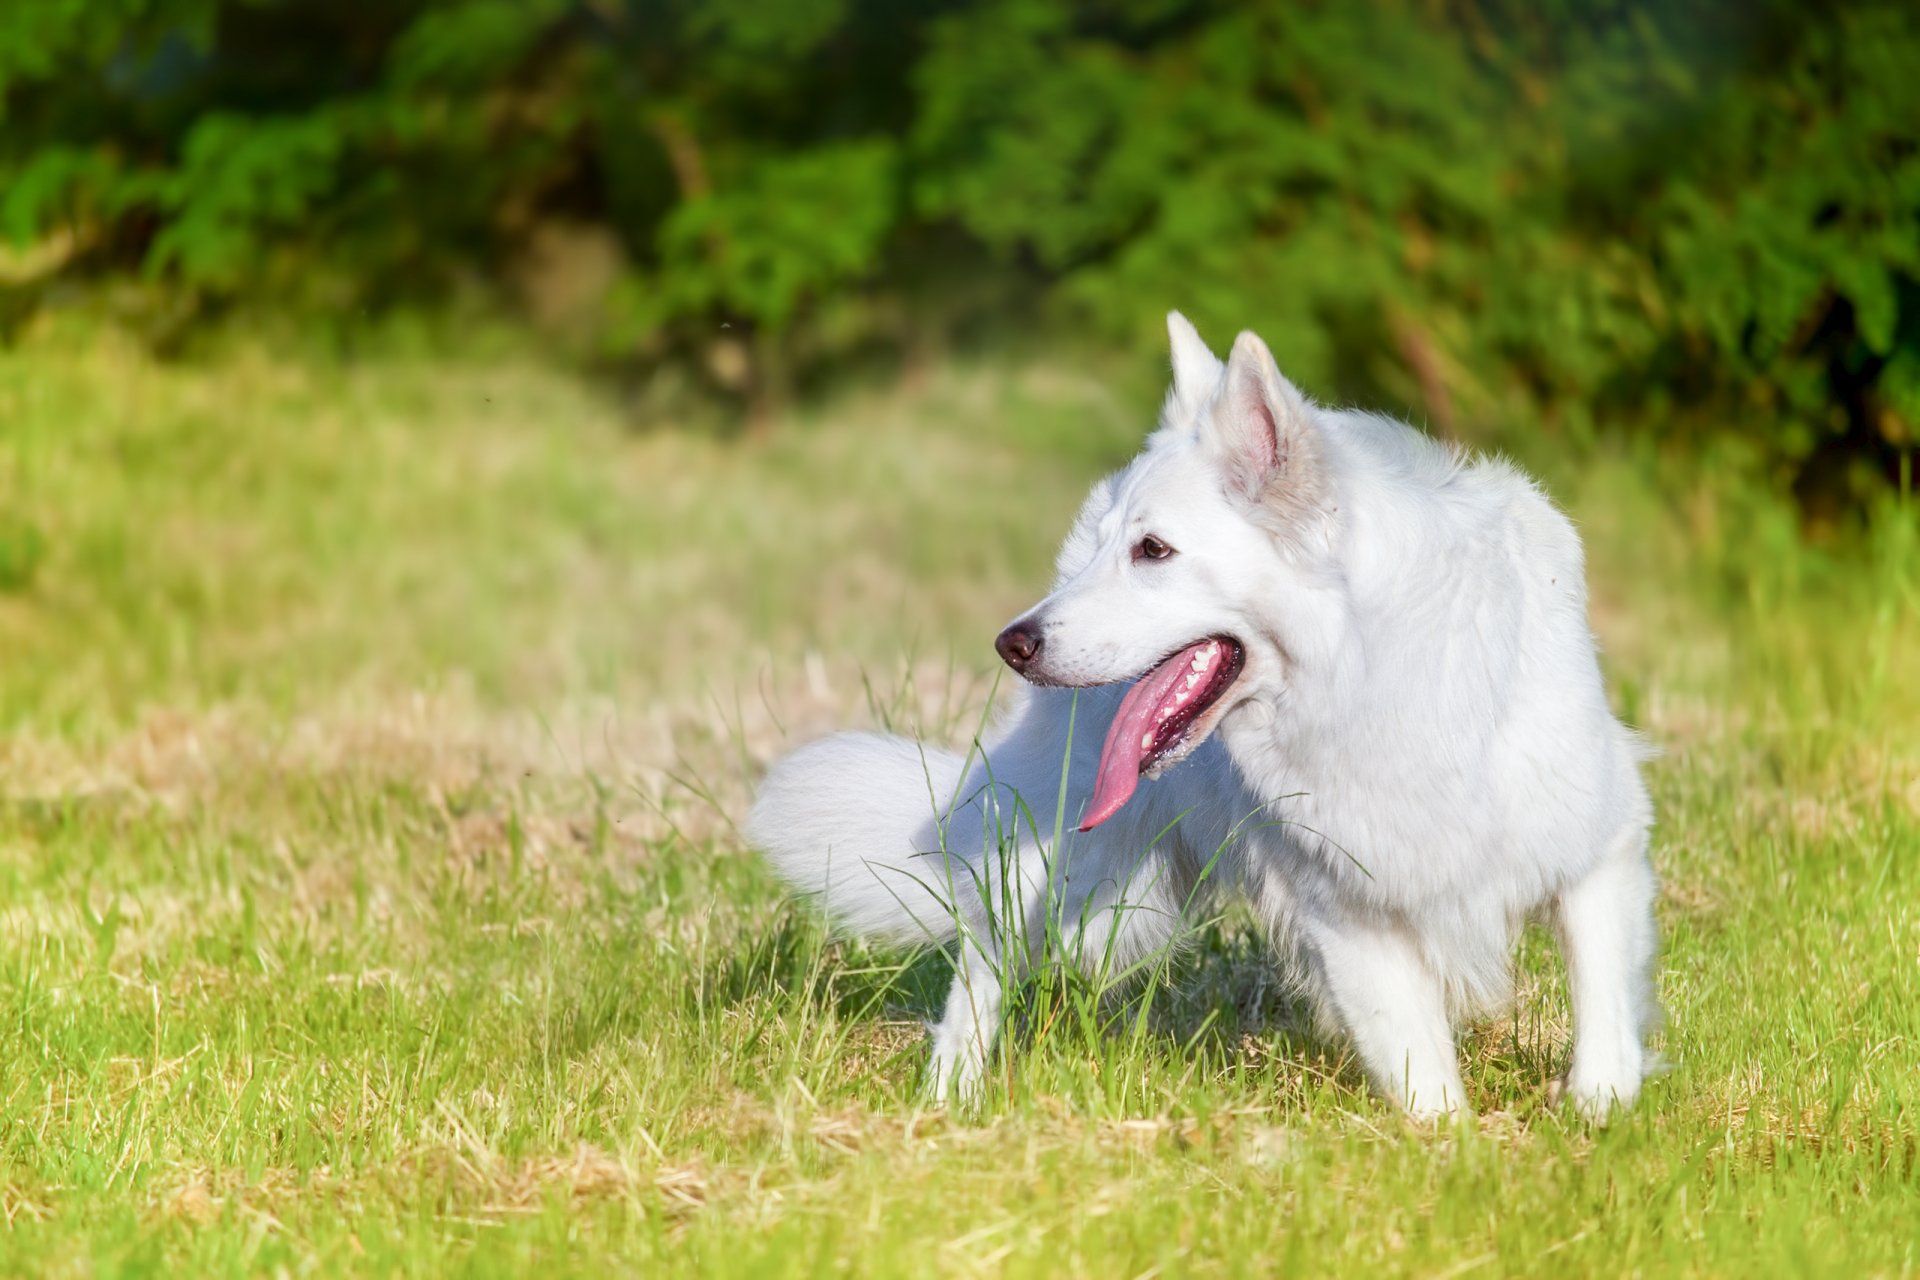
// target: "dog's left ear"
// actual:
[[1196, 370], [1261, 430]]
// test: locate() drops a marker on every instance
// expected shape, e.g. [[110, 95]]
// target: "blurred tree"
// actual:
[[1696, 216]]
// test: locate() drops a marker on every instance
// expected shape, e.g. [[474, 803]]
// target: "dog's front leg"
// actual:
[[1378, 987], [1607, 935]]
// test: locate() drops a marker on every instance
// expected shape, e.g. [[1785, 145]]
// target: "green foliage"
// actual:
[[789, 228], [240, 179], [1693, 217], [22, 548]]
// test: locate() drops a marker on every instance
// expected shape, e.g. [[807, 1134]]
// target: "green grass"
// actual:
[[373, 734]]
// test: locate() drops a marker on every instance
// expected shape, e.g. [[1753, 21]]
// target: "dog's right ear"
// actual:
[[1261, 431], [1196, 370]]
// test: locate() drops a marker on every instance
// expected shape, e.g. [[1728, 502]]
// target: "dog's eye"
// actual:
[[1151, 548]]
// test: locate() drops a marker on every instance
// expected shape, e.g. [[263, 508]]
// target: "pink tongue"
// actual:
[[1136, 721]]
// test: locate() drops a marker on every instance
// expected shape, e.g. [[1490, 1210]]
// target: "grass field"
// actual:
[[373, 737]]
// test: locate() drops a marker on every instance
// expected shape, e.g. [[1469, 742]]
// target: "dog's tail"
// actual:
[[858, 820]]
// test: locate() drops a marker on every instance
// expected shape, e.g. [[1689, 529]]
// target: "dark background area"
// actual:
[[1697, 222]]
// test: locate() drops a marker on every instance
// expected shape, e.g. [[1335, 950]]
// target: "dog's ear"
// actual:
[[1196, 370], [1261, 429]]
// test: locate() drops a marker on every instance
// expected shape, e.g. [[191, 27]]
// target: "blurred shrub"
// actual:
[[1697, 217], [22, 549]]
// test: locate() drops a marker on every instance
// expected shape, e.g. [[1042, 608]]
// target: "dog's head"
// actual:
[[1199, 573]]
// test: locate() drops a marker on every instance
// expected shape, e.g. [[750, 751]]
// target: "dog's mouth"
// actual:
[[1162, 720]]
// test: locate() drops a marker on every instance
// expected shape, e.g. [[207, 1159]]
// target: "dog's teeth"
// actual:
[[1146, 742]]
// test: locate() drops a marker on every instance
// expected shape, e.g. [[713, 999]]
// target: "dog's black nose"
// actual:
[[1018, 646]]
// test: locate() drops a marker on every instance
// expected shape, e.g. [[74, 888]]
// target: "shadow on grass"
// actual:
[[1220, 1001], [796, 960]]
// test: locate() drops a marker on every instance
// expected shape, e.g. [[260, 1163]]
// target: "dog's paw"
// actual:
[[955, 1075], [1446, 1110], [1595, 1101]]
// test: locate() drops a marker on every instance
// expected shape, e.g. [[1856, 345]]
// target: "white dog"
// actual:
[[1354, 672]]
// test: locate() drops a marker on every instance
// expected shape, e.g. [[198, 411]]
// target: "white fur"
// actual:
[[1417, 756]]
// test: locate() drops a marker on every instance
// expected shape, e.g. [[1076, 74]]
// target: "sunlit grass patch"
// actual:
[[375, 736]]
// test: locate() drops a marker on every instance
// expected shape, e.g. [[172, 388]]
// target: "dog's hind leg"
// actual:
[[1374, 982], [1096, 909], [969, 1023], [1607, 934], [997, 866]]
